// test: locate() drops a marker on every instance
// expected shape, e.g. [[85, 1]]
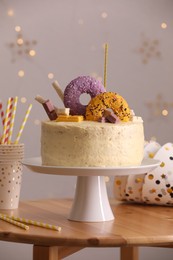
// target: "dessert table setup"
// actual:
[[102, 138]]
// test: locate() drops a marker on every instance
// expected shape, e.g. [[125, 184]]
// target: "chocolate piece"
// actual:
[[102, 119], [50, 110], [107, 113], [112, 118]]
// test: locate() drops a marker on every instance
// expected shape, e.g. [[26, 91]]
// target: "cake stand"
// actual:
[[91, 202]]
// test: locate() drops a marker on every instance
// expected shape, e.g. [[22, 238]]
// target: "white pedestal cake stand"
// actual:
[[91, 202]]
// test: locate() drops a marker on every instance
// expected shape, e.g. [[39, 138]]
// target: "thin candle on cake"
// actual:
[[105, 65]]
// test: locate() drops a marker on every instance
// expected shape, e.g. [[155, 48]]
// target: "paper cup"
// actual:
[[155, 187], [10, 175]]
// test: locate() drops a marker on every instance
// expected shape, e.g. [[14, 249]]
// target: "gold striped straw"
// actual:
[[13, 222], [7, 121], [35, 223], [2, 113], [105, 65], [12, 119], [23, 124]]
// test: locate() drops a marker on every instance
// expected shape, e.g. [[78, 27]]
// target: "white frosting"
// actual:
[[89, 143], [137, 119]]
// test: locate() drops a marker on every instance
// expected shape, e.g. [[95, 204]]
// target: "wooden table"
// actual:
[[134, 226]]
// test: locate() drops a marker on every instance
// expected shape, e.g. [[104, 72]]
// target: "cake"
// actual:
[[91, 143], [103, 133]]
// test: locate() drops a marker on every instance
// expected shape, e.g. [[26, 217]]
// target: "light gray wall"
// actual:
[[70, 37]]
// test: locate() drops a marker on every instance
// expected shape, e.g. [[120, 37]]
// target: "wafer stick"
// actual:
[[35, 223], [59, 91], [13, 222], [59, 111], [40, 99], [23, 124]]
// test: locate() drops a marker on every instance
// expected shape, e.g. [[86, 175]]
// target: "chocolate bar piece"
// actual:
[[50, 110], [112, 118]]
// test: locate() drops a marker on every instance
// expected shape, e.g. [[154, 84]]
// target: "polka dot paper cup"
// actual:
[[155, 187], [11, 157], [150, 149], [158, 184]]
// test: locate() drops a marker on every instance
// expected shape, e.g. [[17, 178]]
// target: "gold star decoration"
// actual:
[[159, 107], [148, 49], [21, 46]]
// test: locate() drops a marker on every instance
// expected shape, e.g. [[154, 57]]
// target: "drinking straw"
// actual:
[[23, 124], [12, 119], [35, 223], [2, 113], [59, 91], [7, 121], [13, 222], [105, 65]]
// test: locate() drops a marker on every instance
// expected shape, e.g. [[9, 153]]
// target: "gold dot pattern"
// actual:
[[118, 182], [10, 184], [150, 176], [149, 49], [151, 155], [162, 164], [154, 187], [10, 175]]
